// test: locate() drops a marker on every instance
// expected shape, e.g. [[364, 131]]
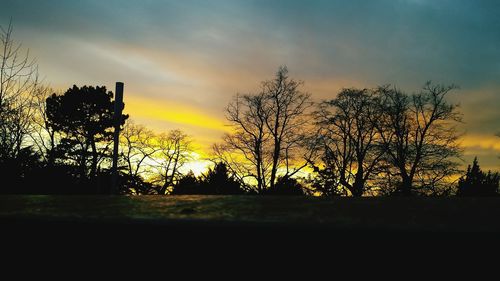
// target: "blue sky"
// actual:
[[190, 57]]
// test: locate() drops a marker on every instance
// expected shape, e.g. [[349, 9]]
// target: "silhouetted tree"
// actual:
[[244, 151], [187, 185], [174, 150], [42, 135], [348, 139], [137, 150], [285, 118], [419, 137], [324, 180], [219, 181], [269, 129], [478, 183], [18, 171], [18, 84], [286, 186], [84, 118]]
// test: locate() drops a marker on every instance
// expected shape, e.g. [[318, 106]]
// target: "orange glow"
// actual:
[[488, 142], [172, 112]]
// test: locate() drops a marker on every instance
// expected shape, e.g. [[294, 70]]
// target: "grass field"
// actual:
[[344, 214]]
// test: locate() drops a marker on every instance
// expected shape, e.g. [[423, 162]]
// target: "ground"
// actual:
[[342, 214]]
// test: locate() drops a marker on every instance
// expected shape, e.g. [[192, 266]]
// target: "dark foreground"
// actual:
[[339, 214], [265, 226]]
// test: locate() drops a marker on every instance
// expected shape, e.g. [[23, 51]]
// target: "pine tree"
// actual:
[[477, 183]]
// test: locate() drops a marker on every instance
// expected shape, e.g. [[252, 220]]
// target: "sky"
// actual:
[[183, 61]]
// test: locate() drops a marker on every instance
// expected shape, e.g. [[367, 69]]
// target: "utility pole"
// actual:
[[116, 137]]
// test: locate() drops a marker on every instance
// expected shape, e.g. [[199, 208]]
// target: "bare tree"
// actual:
[[43, 136], [245, 151], [419, 136], [268, 132], [174, 150], [18, 84], [137, 148], [348, 138], [285, 111]]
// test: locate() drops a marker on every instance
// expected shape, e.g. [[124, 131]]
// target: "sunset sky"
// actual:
[[182, 61]]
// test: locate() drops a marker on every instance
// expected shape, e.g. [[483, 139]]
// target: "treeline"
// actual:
[[379, 141]]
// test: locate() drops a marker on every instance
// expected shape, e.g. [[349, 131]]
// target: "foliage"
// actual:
[[84, 118], [286, 187], [218, 180], [478, 183]]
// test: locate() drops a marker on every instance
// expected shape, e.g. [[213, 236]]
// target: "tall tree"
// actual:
[[246, 150], [43, 137], [137, 148], [418, 133], [84, 117], [268, 132], [285, 111], [18, 84], [174, 150], [348, 139]]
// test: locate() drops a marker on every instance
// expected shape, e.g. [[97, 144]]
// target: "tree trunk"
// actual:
[[276, 156], [359, 183], [93, 170], [405, 189]]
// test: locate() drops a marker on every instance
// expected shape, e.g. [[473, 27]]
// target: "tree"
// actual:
[[324, 180], [84, 117], [18, 84], [245, 151], [348, 140], [42, 135], [187, 185], [419, 136], [268, 132], [174, 150], [286, 187], [285, 111], [478, 183], [218, 180], [137, 148]]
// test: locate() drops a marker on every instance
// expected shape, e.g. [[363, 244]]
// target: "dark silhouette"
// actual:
[[348, 139], [84, 118], [419, 136], [270, 129], [478, 183], [217, 181], [187, 185], [286, 186], [325, 181], [19, 84], [174, 151]]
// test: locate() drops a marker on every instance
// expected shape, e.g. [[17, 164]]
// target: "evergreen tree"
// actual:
[[219, 181], [478, 183], [187, 185]]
